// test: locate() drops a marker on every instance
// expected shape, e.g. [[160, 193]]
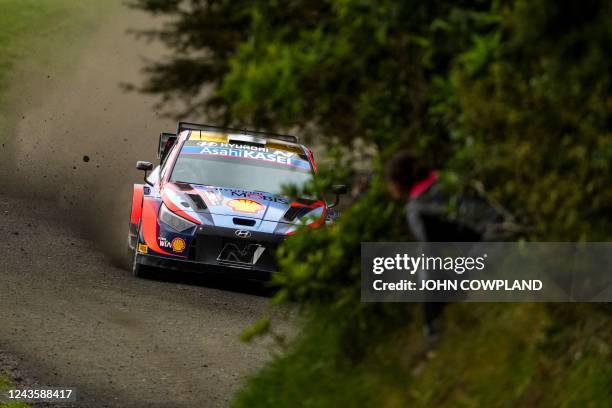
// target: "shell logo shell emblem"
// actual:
[[245, 205], [178, 245]]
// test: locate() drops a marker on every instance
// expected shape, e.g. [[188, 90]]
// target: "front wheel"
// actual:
[[140, 270]]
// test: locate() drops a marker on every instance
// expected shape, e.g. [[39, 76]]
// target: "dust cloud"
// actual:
[[77, 134]]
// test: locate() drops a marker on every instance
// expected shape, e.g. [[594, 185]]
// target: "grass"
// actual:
[[30, 27], [6, 383], [491, 355]]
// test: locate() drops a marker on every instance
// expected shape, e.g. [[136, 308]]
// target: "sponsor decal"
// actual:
[[282, 157], [279, 156], [178, 244], [259, 196], [143, 249], [245, 205], [164, 243], [241, 146], [214, 195]]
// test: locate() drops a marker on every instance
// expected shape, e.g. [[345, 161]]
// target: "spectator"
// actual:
[[431, 218]]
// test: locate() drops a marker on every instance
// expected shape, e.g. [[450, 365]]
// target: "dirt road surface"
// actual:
[[76, 320], [78, 134], [67, 313]]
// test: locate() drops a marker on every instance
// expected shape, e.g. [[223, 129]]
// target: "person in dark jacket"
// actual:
[[435, 215]]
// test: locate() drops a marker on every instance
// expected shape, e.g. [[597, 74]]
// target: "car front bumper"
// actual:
[[184, 265], [217, 250]]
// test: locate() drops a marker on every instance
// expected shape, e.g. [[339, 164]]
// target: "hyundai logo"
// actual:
[[242, 233]]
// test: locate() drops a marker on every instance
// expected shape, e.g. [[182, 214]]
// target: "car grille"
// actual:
[[236, 253]]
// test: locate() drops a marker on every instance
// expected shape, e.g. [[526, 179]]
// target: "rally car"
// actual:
[[215, 202]]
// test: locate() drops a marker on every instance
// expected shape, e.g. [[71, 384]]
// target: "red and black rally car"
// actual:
[[215, 202]]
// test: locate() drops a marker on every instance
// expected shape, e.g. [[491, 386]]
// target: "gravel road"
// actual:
[[71, 318], [68, 314]]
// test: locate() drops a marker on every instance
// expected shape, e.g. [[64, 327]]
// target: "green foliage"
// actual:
[[6, 383], [260, 327], [514, 96], [355, 68], [533, 123], [491, 355], [311, 376], [321, 269]]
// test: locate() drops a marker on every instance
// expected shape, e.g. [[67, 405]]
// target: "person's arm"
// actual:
[[417, 210], [469, 214], [480, 216]]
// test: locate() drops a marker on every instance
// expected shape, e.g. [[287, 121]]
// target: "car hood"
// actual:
[[215, 200]]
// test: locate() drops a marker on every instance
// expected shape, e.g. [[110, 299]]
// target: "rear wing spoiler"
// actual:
[[196, 126]]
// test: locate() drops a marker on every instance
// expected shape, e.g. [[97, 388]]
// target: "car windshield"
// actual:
[[238, 173]]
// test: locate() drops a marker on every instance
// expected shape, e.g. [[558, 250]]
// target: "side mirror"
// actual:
[[146, 167], [338, 190]]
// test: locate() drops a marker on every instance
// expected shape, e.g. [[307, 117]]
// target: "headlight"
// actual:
[[171, 219]]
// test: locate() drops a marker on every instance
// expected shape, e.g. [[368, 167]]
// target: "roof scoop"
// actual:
[[247, 139]]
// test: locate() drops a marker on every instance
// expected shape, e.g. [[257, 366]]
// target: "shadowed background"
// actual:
[[76, 133]]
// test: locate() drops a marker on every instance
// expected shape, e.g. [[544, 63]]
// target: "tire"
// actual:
[[139, 270]]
